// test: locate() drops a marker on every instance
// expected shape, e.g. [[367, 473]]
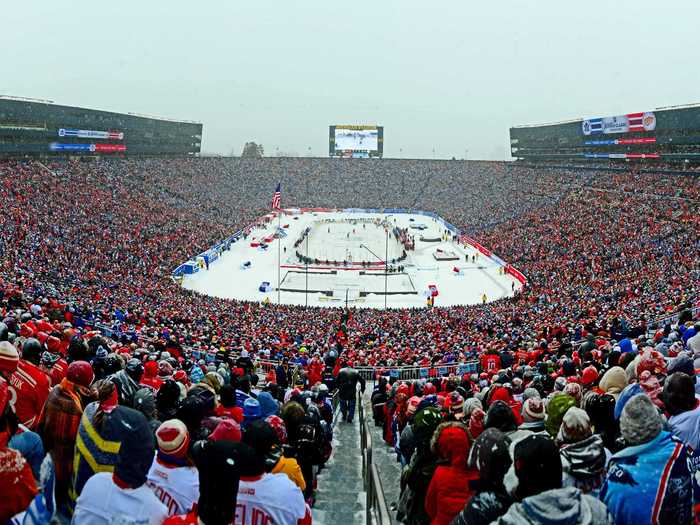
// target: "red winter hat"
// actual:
[[279, 427], [429, 389], [9, 357], [180, 376], [150, 368], [227, 430], [173, 438], [590, 375], [53, 344], [80, 373]]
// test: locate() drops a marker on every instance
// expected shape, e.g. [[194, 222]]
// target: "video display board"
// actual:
[[356, 141]]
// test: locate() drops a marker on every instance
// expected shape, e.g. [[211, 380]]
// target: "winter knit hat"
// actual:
[[682, 363], [490, 456], [640, 421], [536, 465], [679, 393], [556, 409], [530, 393], [220, 465], [500, 416], [278, 426], [533, 410], [168, 399], [589, 376], [227, 430], [412, 405], [575, 391], [575, 427], [80, 373], [470, 405], [137, 447], [173, 439], [9, 358]]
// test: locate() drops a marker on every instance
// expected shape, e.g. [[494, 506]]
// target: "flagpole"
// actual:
[[279, 253]]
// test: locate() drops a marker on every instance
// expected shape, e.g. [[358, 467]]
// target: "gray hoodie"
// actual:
[[567, 506]]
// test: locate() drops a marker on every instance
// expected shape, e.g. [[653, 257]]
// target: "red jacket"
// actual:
[[449, 489], [29, 389]]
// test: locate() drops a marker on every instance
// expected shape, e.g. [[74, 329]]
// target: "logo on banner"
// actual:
[[649, 121]]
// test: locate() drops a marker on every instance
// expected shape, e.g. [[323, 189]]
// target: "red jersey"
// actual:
[[58, 371], [29, 389], [490, 363]]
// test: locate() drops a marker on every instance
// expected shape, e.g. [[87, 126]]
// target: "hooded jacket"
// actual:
[[583, 464], [566, 506], [490, 455], [449, 488], [649, 483], [613, 381]]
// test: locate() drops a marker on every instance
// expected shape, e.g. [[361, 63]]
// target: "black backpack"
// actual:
[[310, 440]]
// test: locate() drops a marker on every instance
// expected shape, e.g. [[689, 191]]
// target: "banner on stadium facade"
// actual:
[[614, 142], [13, 127], [90, 134], [621, 155], [103, 148], [629, 123]]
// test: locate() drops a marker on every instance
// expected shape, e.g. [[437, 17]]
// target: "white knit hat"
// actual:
[[173, 438]]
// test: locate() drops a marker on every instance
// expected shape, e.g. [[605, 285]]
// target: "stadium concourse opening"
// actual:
[[364, 258]]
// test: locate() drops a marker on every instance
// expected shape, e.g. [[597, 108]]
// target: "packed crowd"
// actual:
[[98, 432], [593, 436], [92, 245]]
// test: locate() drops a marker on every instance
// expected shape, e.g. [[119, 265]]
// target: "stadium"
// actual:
[[550, 301]]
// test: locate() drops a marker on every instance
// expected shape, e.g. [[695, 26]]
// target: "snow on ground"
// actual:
[[227, 279]]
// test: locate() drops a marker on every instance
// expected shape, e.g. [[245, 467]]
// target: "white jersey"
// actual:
[[176, 487], [271, 499], [103, 503]]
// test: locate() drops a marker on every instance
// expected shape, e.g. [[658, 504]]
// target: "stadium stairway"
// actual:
[[384, 457], [340, 495]]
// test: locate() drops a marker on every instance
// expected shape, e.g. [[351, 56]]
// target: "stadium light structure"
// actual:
[[386, 264]]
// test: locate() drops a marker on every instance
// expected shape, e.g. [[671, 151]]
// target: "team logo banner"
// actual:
[[630, 123], [90, 134]]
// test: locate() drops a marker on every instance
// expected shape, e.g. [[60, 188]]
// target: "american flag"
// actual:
[[277, 198]]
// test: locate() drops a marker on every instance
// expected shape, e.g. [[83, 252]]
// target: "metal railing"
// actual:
[[377, 511]]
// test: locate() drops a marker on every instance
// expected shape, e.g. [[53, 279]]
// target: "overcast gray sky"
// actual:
[[442, 76]]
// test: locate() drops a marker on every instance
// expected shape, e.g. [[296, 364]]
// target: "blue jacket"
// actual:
[[649, 484]]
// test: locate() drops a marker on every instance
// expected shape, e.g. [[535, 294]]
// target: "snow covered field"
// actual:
[[340, 236]]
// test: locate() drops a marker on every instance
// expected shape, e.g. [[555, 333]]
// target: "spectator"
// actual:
[[491, 457], [172, 477], [19, 486], [347, 381], [449, 487], [541, 498], [64, 408], [123, 495], [653, 462]]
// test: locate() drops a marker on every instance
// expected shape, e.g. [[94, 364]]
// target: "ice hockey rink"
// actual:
[[342, 260]]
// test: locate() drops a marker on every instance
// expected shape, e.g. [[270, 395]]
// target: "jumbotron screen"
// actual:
[[356, 141]]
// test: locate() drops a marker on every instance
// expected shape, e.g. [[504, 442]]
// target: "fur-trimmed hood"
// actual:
[[450, 442]]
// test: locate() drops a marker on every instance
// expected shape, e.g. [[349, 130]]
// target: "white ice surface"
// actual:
[[226, 279]]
